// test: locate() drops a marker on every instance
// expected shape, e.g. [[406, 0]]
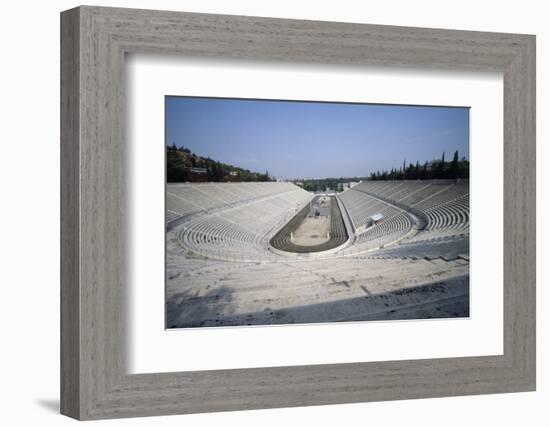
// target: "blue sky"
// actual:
[[293, 139]]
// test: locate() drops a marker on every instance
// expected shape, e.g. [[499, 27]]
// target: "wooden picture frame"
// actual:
[[94, 382]]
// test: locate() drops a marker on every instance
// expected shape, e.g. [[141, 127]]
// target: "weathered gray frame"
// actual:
[[94, 41]]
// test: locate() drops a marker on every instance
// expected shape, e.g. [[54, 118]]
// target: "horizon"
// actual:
[[298, 140]]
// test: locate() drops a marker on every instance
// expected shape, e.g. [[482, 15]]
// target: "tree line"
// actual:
[[321, 184], [182, 165], [436, 169]]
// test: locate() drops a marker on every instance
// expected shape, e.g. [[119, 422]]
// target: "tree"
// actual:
[[440, 171], [454, 166], [219, 172]]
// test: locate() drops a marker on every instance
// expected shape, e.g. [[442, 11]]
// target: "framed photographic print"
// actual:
[[309, 236], [261, 213]]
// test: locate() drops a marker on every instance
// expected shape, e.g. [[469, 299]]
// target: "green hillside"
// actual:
[[184, 166]]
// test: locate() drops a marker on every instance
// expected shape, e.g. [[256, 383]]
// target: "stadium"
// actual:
[[261, 253]]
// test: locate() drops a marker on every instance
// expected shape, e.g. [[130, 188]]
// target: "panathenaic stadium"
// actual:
[[260, 253]]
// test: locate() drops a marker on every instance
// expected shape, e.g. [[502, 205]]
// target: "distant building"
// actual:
[[342, 186], [200, 171], [197, 174]]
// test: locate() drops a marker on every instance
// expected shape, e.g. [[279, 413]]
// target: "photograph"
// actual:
[[296, 212]]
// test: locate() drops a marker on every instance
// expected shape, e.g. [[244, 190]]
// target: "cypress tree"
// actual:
[[454, 166]]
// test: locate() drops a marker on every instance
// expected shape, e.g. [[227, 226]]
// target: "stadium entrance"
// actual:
[[320, 207]]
